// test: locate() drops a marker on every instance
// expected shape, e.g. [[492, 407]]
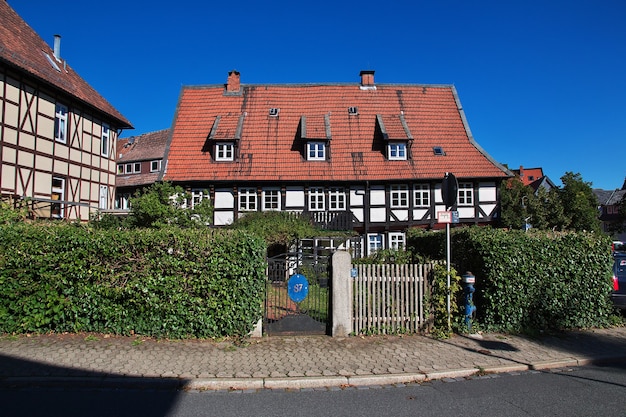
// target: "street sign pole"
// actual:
[[449, 192], [448, 269]]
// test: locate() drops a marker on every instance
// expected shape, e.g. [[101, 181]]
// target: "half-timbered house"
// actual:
[[356, 156], [57, 134]]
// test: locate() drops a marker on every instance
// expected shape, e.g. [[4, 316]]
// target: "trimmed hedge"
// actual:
[[534, 281], [165, 283]]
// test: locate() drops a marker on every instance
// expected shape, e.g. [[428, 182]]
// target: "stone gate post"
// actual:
[[342, 294]]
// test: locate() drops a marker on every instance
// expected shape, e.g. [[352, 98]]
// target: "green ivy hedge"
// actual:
[[533, 281], [165, 283]]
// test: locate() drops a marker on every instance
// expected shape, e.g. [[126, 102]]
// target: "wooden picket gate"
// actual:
[[390, 298]]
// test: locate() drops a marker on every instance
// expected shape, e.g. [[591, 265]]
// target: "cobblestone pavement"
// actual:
[[293, 362]]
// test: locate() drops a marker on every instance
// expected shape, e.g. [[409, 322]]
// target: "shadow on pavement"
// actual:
[[29, 388]]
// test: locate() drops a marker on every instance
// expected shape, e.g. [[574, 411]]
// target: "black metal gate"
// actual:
[[288, 310]]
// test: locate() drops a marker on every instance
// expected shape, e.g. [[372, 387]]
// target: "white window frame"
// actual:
[[225, 151], [317, 199], [137, 168], [60, 123], [59, 191], [248, 199], [466, 194], [271, 199], [396, 151], [375, 243], [397, 240], [316, 151], [399, 196], [421, 195], [155, 165], [103, 202], [105, 142], [336, 199], [197, 195], [122, 201]]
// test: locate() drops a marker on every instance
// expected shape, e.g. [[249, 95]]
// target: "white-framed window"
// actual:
[[105, 142], [336, 199], [397, 240], [375, 242], [225, 151], [316, 151], [316, 199], [122, 201], [466, 194], [129, 168], [104, 197], [399, 195], [396, 151], [57, 210], [155, 165], [421, 195], [271, 199], [197, 195], [247, 199], [60, 123]]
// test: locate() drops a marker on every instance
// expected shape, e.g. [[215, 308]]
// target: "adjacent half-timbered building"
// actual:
[[57, 134], [139, 160], [358, 156]]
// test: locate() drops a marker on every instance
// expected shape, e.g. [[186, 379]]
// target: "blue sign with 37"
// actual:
[[297, 288]]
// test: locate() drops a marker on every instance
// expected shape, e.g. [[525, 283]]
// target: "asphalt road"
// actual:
[[582, 391]]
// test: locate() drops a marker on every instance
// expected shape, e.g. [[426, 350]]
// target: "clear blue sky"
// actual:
[[543, 83]]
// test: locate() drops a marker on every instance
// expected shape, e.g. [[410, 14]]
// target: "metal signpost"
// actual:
[[449, 191]]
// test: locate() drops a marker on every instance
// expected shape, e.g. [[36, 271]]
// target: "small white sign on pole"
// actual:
[[444, 216]]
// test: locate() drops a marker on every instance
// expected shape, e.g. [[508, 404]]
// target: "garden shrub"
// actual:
[[165, 283], [534, 281]]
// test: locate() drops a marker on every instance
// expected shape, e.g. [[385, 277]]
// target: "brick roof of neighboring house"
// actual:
[[271, 147], [146, 147], [529, 175], [22, 48]]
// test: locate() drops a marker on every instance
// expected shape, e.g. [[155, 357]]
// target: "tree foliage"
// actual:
[[277, 228], [161, 205], [572, 207]]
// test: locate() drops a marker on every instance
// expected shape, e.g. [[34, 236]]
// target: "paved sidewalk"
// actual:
[[291, 362]]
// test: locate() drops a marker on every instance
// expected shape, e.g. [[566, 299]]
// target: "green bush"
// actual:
[[539, 280], [165, 283], [531, 281]]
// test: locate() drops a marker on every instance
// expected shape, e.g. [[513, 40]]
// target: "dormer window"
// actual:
[[224, 151], [316, 151], [396, 151], [274, 111], [396, 134], [316, 137], [353, 111]]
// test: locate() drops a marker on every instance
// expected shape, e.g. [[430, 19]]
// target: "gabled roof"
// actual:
[[529, 175], [609, 197], [146, 147], [279, 119], [22, 48]]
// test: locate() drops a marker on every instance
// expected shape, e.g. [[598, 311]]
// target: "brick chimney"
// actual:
[[367, 78], [233, 85]]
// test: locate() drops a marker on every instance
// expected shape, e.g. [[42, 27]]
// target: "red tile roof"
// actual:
[[146, 147], [271, 147], [21, 47]]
